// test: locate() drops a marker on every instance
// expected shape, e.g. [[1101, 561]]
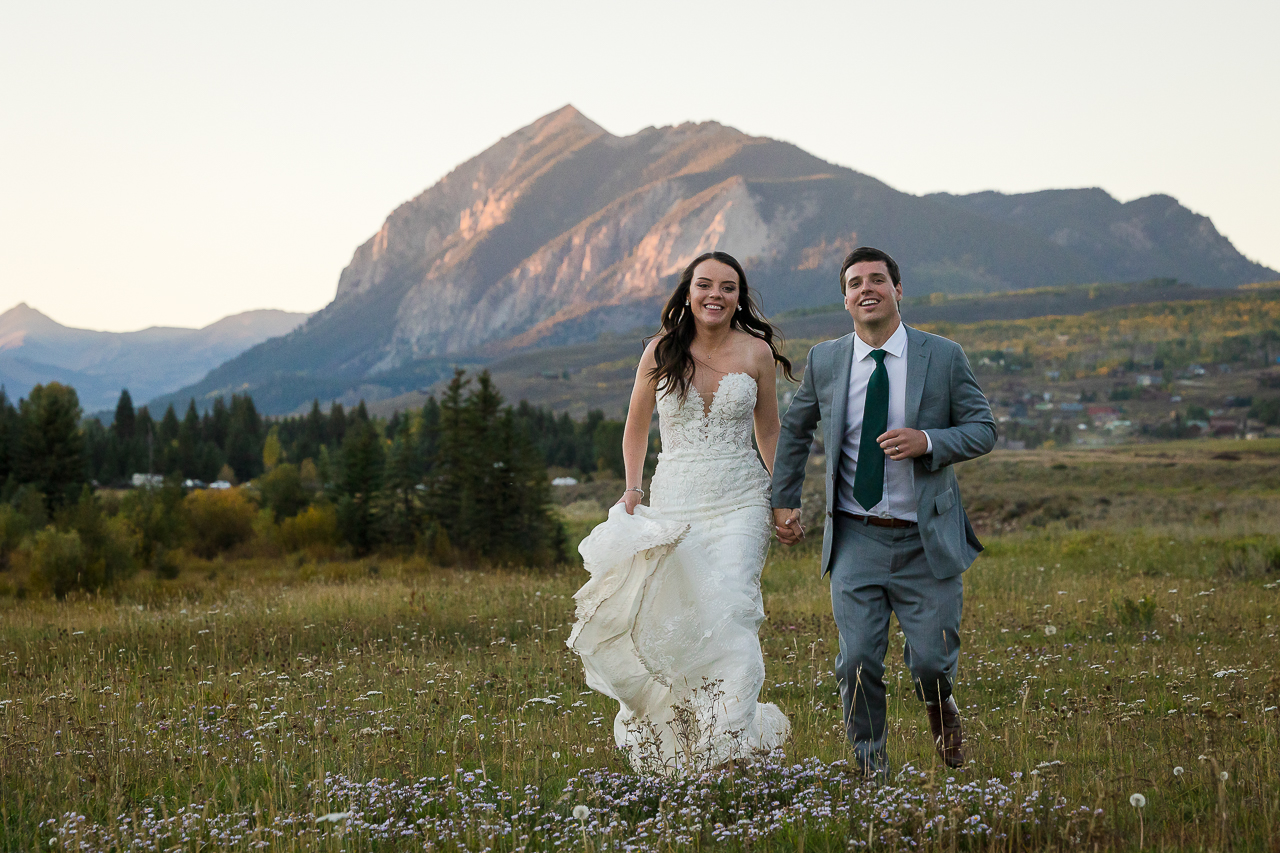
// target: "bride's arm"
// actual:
[[635, 437], [766, 412]]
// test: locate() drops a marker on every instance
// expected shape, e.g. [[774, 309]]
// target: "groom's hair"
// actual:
[[867, 253]]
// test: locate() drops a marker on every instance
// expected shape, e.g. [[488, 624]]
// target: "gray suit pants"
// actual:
[[876, 571]]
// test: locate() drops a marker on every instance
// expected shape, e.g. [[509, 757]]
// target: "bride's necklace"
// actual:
[[708, 364]]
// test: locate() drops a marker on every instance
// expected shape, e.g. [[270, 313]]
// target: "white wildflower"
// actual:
[[1049, 630], [1224, 775], [581, 812], [1178, 771], [555, 755], [1137, 800], [333, 817]]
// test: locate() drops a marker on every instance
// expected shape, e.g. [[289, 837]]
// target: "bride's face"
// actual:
[[713, 295]]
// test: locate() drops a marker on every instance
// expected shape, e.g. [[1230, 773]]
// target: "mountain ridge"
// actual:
[[34, 349], [562, 231]]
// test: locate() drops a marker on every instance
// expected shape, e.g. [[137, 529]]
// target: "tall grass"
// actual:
[[420, 700]]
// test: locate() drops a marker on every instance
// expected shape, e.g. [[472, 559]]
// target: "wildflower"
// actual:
[[1224, 775], [253, 706], [581, 812], [333, 817], [555, 755], [1178, 771], [1049, 630], [1137, 801]]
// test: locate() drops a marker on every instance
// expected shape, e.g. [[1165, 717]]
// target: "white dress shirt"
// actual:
[[899, 496]]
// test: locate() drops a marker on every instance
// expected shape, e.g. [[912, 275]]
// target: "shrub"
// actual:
[[218, 520], [157, 518], [58, 562], [109, 542], [314, 530], [13, 526], [282, 491]]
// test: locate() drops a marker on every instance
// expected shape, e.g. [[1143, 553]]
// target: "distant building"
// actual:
[[564, 481], [219, 484], [146, 481], [1225, 426], [1144, 380]]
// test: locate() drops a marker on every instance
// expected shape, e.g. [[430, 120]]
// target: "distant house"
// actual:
[[1196, 370], [1222, 426], [1102, 414], [146, 481], [1144, 380], [1071, 407]]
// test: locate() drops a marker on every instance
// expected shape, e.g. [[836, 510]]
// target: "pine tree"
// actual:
[[51, 449], [125, 421], [450, 491], [10, 428], [403, 498], [167, 442], [244, 438], [362, 464], [337, 424], [187, 450]]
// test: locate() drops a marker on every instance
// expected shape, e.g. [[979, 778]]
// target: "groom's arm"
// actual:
[[973, 429], [794, 441]]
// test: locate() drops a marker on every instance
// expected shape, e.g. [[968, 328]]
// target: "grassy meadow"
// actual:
[[1120, 639]]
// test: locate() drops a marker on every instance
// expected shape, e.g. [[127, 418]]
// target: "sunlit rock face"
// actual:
[[562, 231]]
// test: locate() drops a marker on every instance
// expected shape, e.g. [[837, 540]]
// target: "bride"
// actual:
[[667, 624]]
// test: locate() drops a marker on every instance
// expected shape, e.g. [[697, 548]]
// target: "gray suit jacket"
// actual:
[[943, 398]]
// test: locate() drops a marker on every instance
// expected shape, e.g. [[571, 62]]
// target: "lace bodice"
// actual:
[[725, 425], [708, 464]]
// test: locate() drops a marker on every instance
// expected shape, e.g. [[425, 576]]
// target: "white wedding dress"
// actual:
[[667, 624]]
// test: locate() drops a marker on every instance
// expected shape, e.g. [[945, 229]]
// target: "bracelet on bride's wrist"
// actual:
[[633, 489]]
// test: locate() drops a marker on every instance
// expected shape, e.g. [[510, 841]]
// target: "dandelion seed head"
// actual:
[[1049, 630], [1137, 801], [581, 812], [1224, 775], [1178, 771]]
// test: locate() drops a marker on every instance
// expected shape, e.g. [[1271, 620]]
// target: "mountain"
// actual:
[[561, 232], [35, 349]]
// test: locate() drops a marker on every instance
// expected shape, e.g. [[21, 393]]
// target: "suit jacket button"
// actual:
[[828, 515]]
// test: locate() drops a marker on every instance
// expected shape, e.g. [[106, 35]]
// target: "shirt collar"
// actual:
[[895, 346]]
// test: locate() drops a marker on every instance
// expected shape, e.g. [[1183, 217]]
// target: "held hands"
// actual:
[[787, 526], [899, 444]]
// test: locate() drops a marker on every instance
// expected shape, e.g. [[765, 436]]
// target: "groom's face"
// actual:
[[870, 296]]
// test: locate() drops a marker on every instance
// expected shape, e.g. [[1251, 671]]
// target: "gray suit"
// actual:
[[916, 572]]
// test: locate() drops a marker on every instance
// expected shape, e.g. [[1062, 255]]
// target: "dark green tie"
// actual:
[[868, 479]]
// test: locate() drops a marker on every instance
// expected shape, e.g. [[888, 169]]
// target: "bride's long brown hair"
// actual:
[[675, 367]]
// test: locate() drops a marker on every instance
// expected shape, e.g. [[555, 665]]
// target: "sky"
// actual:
[[173, 163]]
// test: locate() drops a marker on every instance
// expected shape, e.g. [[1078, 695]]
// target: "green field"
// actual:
[[1121, 625]]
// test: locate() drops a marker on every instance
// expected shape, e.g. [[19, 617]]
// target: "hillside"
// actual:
[[35, 349], [562, 232], [1148, 327]]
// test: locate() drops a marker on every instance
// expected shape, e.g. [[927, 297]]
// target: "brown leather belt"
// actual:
[[876, 521]]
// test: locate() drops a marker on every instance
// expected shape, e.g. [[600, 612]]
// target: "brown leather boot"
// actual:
[[948, 738]]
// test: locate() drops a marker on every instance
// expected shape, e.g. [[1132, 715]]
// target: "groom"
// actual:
[[898, 408]]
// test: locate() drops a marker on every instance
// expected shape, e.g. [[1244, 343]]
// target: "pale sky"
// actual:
[[172, 163]]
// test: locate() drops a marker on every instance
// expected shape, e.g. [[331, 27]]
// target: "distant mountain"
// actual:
[[35, 349], [562, 231]]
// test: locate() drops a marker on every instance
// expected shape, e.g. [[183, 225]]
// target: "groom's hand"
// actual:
[[786, 524], [899, 444]]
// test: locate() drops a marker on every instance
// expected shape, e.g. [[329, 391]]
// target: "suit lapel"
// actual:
[[917, 368], [842, 352]]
